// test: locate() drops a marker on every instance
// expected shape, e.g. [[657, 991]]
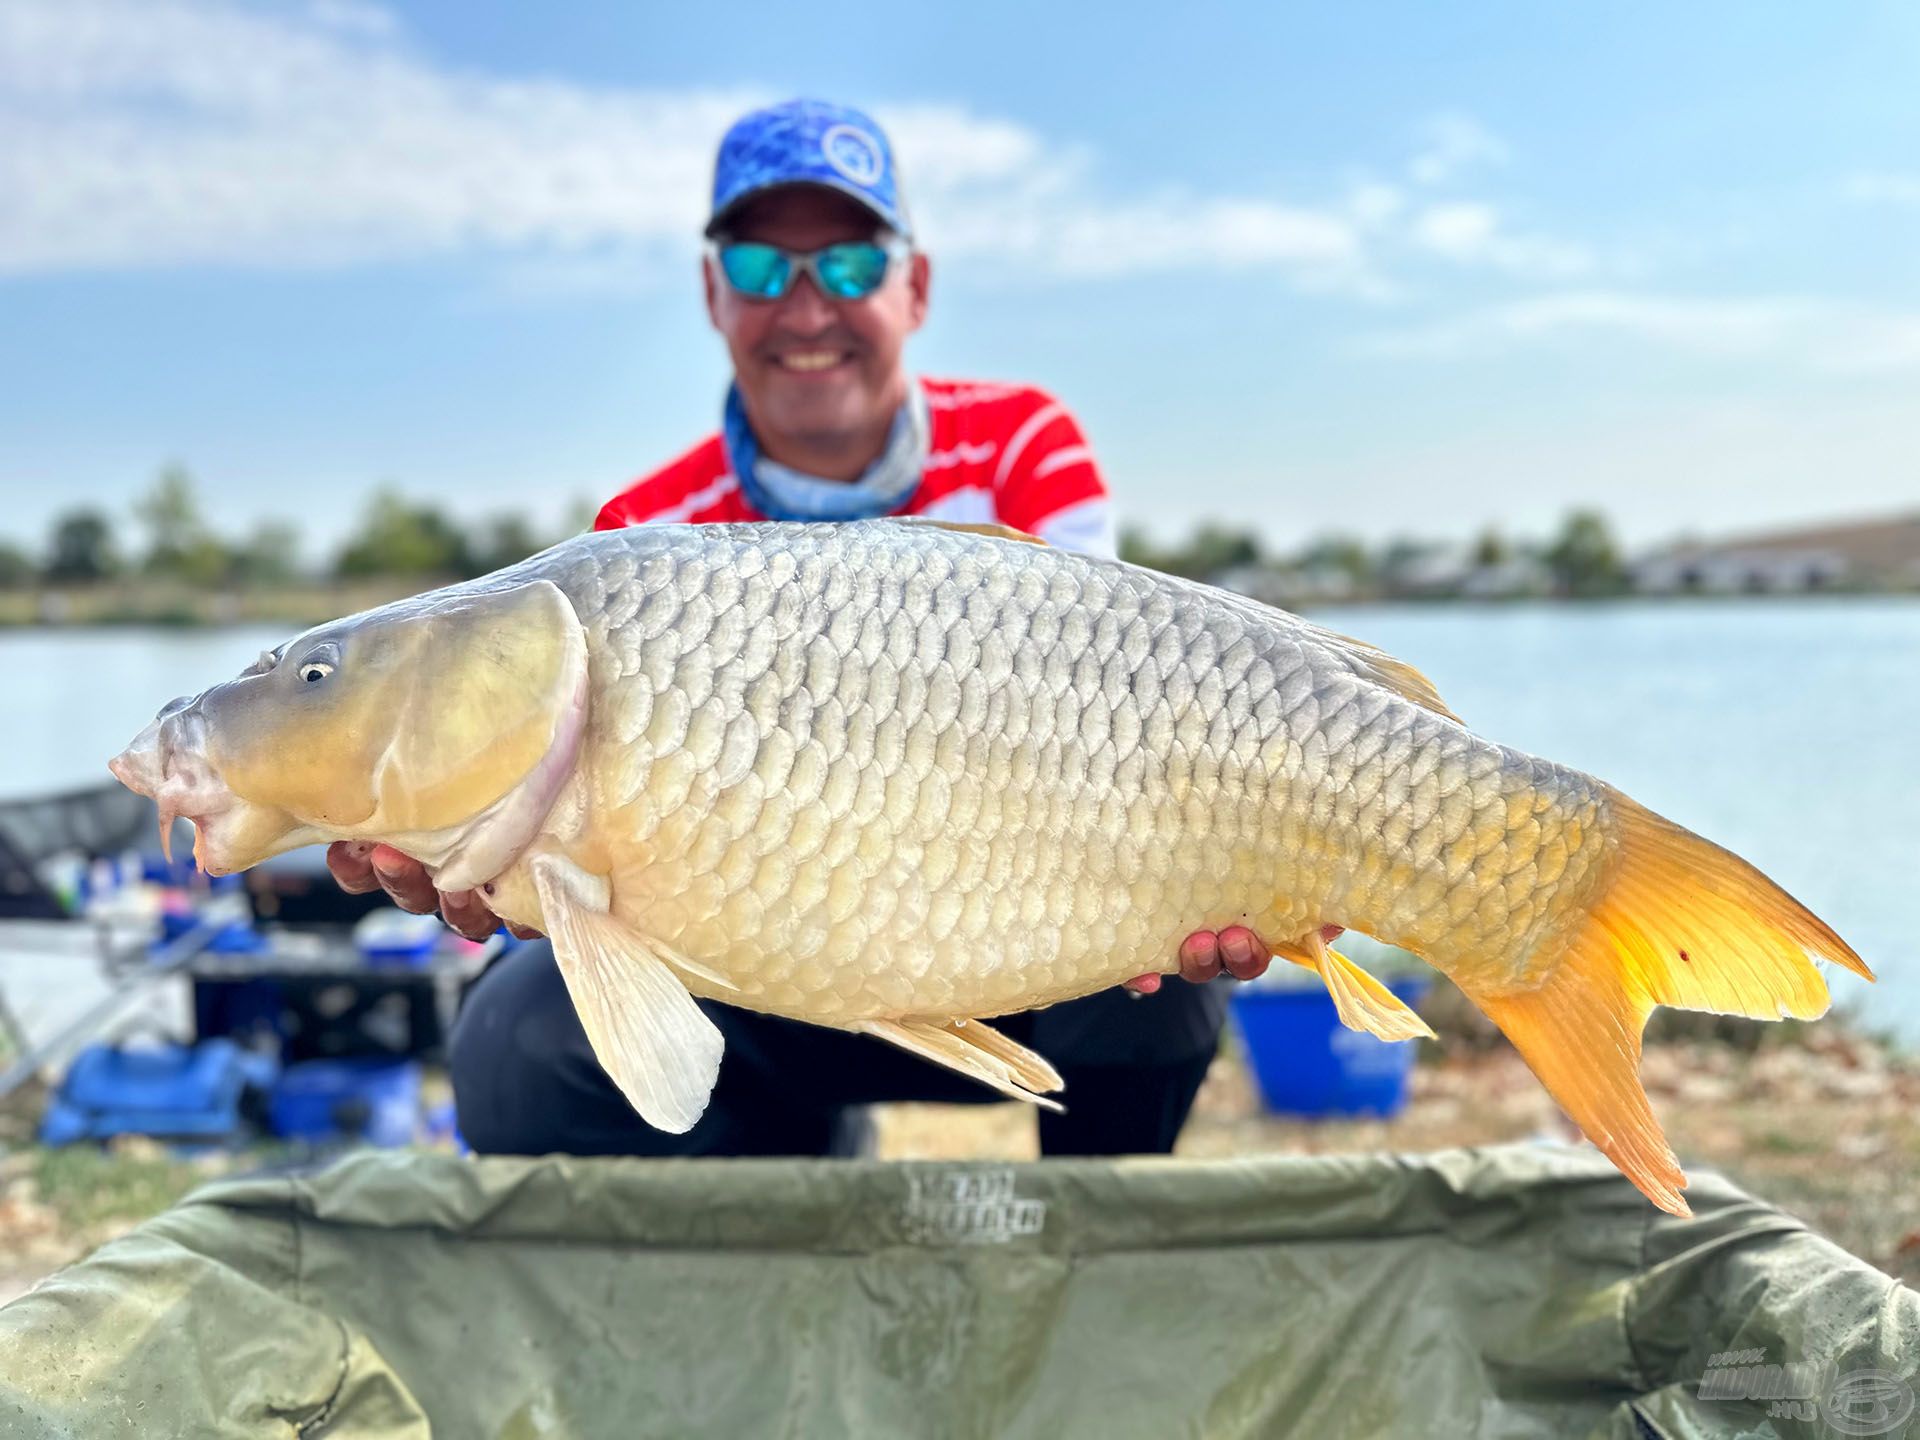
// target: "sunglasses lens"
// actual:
[[851, 271], [757, 270]]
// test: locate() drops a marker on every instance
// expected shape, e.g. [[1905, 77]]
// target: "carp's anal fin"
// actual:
[[975, 1050], [647, 1033], [1361, 1001]]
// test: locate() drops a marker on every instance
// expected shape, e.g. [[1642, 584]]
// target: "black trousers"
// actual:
[[526, 1082]]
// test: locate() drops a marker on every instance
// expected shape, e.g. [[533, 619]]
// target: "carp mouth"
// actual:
[[167, 762]]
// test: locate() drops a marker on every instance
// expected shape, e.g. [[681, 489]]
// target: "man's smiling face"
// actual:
[[821, 378]]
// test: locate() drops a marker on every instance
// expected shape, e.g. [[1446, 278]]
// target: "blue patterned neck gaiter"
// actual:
[[780, 493]]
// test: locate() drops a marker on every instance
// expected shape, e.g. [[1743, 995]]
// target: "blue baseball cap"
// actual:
[[808, 142]]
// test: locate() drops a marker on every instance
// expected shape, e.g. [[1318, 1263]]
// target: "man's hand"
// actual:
[[1236, 951], [361, 868]]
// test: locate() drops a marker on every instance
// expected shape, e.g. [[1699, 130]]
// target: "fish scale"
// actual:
[[1265, 769]]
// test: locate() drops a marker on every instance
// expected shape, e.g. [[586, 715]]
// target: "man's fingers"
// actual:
[[359, 867], [467, 914], [1200, 957], [351, 866], [1244, 953], [405, 881]]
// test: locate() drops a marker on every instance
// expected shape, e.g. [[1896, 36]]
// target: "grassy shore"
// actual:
[[145, 602]]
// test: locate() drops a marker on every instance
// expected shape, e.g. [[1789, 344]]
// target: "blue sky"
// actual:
[[1374, 269]]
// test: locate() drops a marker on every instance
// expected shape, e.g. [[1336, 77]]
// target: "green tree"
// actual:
[[180, 545], [504, 540], [1211, 550], [1339, 552], [270, 556], [1214, 549], [172, 517], [1137, 549], [1491, 548], [581, 513], [81, 551], [396, 538], [16, 567], [1584, 558], [1400, 556]]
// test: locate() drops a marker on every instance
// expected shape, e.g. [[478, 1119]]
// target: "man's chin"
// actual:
[[819, 409]]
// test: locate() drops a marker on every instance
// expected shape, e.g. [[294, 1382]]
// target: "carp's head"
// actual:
[[444, 725]]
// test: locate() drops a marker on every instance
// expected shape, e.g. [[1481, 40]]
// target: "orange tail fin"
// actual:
[[1681, 922]]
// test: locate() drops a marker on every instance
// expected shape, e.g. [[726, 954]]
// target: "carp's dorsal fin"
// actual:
[[973, 1049], [1376, 665], [1360, 658], [1361, 1001], [647, 1033], [997, 532]]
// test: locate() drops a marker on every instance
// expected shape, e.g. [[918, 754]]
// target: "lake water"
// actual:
[[1788, 731]]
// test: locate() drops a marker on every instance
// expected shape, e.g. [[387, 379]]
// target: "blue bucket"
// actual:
[[375, 1101], [1307, 1063]]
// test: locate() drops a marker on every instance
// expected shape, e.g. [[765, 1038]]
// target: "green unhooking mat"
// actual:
[[1514, 1291]]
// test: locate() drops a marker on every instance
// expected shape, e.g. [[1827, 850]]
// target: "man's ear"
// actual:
[[920, 284]]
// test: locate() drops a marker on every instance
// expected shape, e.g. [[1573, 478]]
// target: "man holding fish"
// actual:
[[812, 280], [919, 779]]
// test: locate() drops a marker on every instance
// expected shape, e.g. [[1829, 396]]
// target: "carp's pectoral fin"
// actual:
[[1361, 1001], [647, 1033], [975, 1050]]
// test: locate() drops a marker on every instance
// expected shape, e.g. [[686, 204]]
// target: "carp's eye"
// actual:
[[315, 670]]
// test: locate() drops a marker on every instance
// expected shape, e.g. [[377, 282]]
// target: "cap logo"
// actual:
[[852, 152]]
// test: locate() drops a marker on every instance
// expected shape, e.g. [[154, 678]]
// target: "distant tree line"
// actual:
[[1582, 558], [173, 541], [398, 537]]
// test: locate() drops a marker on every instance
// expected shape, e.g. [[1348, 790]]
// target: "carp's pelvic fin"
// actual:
[[647, 1033], [1680, 922], [975, 1050], [1361, 1001]]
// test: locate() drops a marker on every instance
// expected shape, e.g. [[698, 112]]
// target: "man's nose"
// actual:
[[806, 311]]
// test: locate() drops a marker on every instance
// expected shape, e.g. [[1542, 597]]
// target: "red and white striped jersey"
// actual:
[[997, 453]]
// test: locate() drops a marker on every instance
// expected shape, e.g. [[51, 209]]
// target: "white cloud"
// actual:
[[1372, 203], [147, 133], [1460, 231], [1883, 188], [1471, 233], [1451, 142], [1825, 335]]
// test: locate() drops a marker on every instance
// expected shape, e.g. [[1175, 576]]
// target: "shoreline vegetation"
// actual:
[[165, 565]]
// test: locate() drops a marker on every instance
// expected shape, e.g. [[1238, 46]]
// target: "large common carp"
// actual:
[[895, 777]]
